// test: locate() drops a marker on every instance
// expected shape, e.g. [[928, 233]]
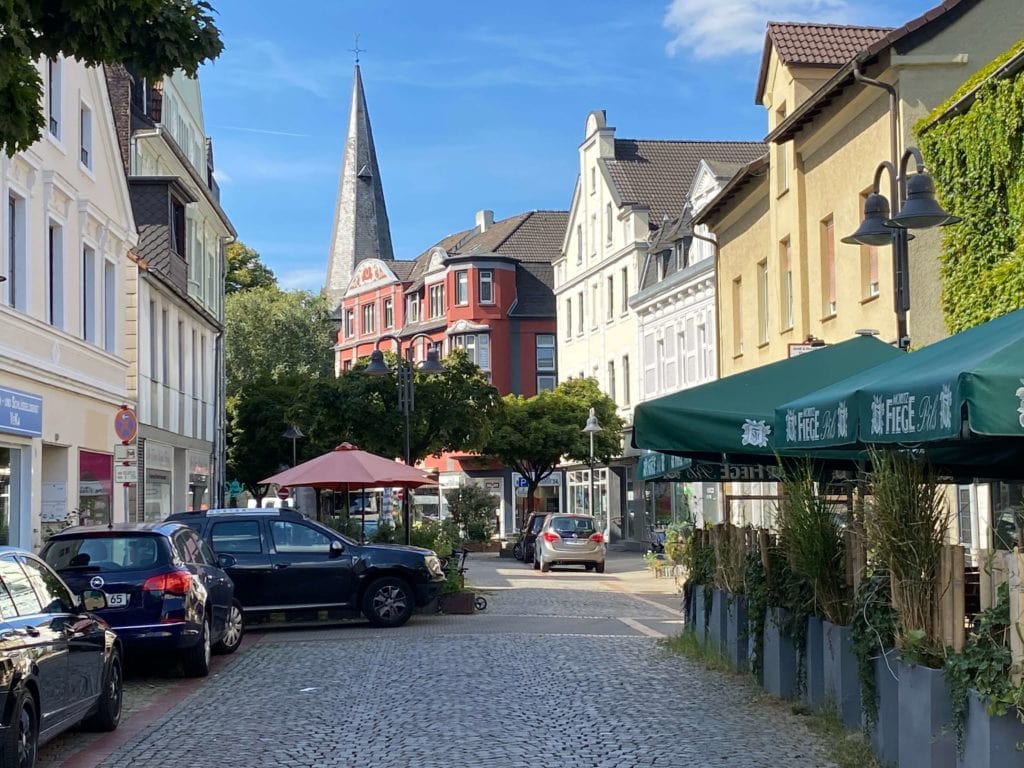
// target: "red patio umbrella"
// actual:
[[347, 468]]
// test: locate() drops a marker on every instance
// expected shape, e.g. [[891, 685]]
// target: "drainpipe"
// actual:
[[894, 111]]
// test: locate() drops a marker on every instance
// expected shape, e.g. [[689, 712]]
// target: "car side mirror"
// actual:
[[94, 600], [336, 548], [226, 561]]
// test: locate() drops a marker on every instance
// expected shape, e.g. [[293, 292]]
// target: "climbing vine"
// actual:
[[873, 632], [977, 161]]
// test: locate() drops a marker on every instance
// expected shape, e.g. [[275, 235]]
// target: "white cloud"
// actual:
[[221, 176], [311, 280], [719, 28]]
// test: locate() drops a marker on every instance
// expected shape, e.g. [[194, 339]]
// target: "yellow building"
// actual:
[[784, 274]]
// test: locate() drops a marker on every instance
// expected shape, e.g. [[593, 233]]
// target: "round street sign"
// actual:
[[282, 493], [125, 424]]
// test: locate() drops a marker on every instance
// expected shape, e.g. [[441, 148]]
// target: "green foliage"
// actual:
[[812, 538], [245, 271], [256, 418], [273, 335], [153, 37], [385, 534], [977, 161], [755, 587], [687, 645], [844, 749], [906, 527], [531, 435], [985, 665], [873, 632], [677, 536], [472, 509]]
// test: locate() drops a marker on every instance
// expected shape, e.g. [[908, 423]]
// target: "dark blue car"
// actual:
[[165, 589]]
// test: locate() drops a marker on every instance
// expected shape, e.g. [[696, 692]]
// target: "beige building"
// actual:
[[67, 230], [626, 189], [784, 273]]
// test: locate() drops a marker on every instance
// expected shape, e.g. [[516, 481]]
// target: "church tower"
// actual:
[[360, 218]]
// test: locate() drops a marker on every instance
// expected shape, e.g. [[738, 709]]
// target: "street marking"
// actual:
[[641, 628]]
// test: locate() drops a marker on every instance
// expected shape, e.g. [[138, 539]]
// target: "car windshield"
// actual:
[[536, 524], [582, 526], [120, 552]]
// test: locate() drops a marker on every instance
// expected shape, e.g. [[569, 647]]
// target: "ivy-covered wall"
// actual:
[[977, 161]]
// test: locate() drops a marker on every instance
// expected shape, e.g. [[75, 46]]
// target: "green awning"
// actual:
[[968, 387], [732, 419]]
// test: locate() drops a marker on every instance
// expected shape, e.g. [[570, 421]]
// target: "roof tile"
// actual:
[[827, 45]]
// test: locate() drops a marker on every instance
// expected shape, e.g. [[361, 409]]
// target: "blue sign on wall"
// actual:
[[21, 413]]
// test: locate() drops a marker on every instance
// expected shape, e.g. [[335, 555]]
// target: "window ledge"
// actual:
[[832, 316], [55, 141], [869, 299], [781, 194], [764, 344]]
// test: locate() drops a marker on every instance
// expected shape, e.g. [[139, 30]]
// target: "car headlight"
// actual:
[[434, 565]]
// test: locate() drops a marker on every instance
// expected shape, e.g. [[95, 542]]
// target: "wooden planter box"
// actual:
[[779, 657], [926, 736], [990, 741], [842, 686], [458, 602], [885, 736], [737, 643], [814, 663]]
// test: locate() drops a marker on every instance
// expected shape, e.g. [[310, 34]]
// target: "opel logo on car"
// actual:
[[96, 582]]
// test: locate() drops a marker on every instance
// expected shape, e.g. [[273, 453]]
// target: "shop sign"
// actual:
[[21, 413], [159, 456]]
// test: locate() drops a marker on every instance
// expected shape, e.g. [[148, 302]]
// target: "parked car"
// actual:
[[59, 664], [529, 535], [285, 562], [569, 540], [165, 588]]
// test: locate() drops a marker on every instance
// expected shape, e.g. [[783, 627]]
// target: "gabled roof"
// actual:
[[658, 174], [755, 169], [905, 38], [813, 45]]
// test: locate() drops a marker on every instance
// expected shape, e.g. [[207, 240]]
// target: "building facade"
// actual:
[[175, 329], [626, 189], [67, 232]]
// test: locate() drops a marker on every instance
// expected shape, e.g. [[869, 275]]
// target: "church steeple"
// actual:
[[360, 218]]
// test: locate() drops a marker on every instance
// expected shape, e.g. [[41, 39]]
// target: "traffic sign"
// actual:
[[125, 424], [126, 473], [124, 452], [282, 493]]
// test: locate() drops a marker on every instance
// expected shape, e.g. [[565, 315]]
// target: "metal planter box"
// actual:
[[717, 626], [885, 735], [990, 741], [779, 657], [736, 640], [926, 736], [699, 614], [814, 691], [840, 667]]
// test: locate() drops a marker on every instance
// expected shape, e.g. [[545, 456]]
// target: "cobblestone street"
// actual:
[[562, 669]]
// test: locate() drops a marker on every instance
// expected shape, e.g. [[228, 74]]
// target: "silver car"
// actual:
[[569, 539]]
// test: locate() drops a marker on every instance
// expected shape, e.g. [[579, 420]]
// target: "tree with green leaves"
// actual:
[[256, 418], [272, 335], [533, 434], [153, 37], [245, 270]]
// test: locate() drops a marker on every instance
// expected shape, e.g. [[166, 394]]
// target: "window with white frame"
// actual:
[[85, 135], [595, 297], [109, 306], [461, 287], [579, 244], [593, 179], [15, 265], [593, 234], [88, 294], [486, 286], [477, 346], [54, 96], [650, 365], [828, 267], [412, 308], [546, 382], [610, 308], [786, 283], [611, 379], [369, 319], [579, 313], [659, 358], [625, 290], [625, 380], [669, 360], [436, 300], [609, 223], [55, 275], [389, 313], [545, 352], [154, 347], [762, 302], [689, 351], [568, 318], [350, 321]]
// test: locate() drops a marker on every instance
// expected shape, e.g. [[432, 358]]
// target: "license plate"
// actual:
[[117, 600]]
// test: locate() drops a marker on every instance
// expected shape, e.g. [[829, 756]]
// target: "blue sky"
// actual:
[[473, 104]]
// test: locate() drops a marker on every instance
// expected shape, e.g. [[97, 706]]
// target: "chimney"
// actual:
[[484, 220]]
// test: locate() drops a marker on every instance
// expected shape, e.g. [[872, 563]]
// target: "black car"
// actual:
[[165, 589], [529, 535], [59, 665], [285, 562]]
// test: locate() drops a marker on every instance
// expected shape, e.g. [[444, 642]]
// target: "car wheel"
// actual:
[[108, 708], [197, 658], [589, 566], [535, 561], [388, 602], [599, 567], [517, 552], [234, 629], [545, 566], [21, 740]]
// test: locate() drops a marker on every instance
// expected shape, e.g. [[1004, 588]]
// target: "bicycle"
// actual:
[[480, 602]]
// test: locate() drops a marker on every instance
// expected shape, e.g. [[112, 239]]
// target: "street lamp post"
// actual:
[[293, 433], [406, 401], [592, 428], [914, 207]]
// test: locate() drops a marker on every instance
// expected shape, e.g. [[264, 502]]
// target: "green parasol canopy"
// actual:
[[732, 419], [958, 398]]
